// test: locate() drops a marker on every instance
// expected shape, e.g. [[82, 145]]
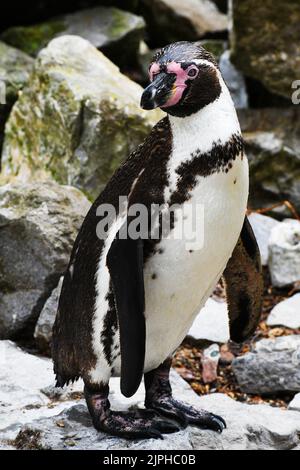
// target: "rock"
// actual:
[[15, 69], [32, 417], [215, 46], [262, 226], [43, 328], [234, 80], [209, 362], [174, 20], [272, 366], [24, 379], [38, 223], [266, 42], [284, 253], [272, 139], [211, 323], [295, 403], [82, 128], [116, 32], [286, 313]]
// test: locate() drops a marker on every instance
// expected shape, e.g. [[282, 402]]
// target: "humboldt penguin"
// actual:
[[127, 302]]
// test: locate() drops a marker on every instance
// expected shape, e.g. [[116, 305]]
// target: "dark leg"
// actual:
[[137, 424], [159, 398]]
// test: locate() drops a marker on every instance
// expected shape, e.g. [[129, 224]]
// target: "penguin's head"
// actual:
[[184, 78]]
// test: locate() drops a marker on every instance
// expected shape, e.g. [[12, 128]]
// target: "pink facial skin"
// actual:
[[181, 78]]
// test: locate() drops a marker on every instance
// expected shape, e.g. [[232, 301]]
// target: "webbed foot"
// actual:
[[136, 424], [159, 398]]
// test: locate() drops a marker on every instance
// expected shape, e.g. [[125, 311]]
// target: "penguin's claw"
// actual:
[[186, 414]]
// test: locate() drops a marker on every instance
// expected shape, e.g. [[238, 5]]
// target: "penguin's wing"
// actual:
[[244, 286], [125, 264]]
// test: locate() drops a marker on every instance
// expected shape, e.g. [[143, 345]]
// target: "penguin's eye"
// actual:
[[192, 71]]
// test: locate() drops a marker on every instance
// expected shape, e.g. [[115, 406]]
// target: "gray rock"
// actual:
[[38, 223], [15, 69], [211, 323], [262, 226], [43, 328], [234, 80], [82, 127], [266, 42], [273, 366], [295, 403], [286, 313], [116, 32], [284, 253], [36, 416], [174, 20], [272, 139]]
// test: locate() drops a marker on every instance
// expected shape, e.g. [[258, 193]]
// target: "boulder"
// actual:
[[34, 416], [174, 20], [211, 323], [84, 119], [262, 226], [116, 32], [266, 42], [272, 139], [272, 366], [43, 328], [286, 313], [284, 253], [39, 222], [295, 403]]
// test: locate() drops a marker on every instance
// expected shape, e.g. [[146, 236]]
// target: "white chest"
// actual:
[[183, 273]]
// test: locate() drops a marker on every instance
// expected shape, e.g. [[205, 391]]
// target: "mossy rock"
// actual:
[[15, 69], [266, 42], [76, 121], [116, 32]]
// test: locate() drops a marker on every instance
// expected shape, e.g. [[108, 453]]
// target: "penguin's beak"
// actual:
[[159, 91]]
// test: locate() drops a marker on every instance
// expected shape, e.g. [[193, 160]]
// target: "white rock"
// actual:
[[284, 253], [286, 313], [211, 323], [295, 403], [22, 376], [234, 80], [262, 226]]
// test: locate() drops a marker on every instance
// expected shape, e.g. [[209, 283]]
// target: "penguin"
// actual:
[[127, 302]]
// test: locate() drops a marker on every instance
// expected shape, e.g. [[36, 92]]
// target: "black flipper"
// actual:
[[244, 286], [125, 264]]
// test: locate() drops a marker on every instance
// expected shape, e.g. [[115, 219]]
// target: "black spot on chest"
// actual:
[[219, 159]]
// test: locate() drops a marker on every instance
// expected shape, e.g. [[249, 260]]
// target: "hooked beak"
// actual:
[[158, 92]]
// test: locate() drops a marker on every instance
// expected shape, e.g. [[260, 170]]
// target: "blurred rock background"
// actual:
[[71, 76]]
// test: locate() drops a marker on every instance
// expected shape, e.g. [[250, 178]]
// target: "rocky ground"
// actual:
[[34, 415], [70, 85]]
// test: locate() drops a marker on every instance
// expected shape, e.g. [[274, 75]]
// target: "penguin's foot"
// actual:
[[136, 424], [159, 398], [185, 414]]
